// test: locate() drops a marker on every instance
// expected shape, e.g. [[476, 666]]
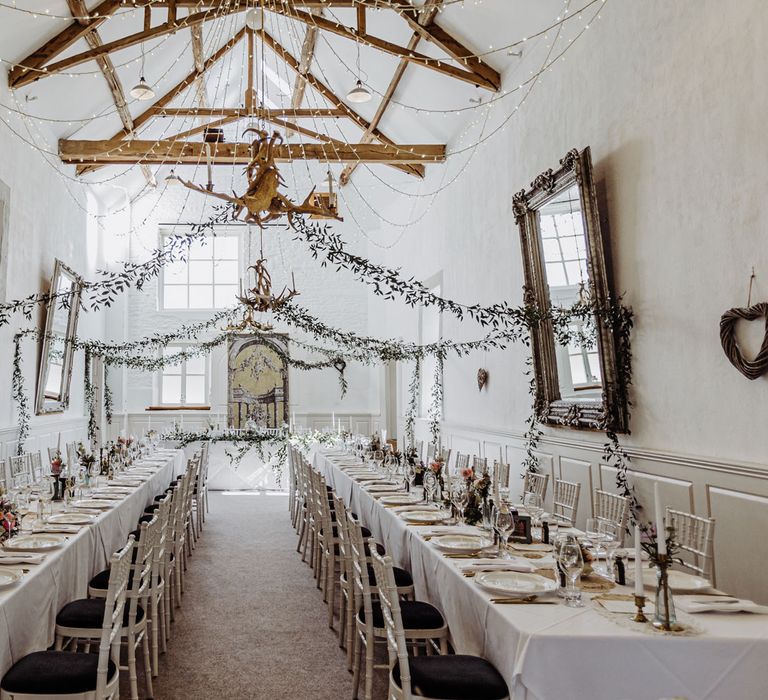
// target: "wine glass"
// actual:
[[504, 524], [594, 535], [609, 534], [534, 506], [460, 497], [572, 562], [430, 484], [46, 492]]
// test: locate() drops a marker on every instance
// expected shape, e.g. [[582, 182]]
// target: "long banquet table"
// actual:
[[28, 608], [552, 652]]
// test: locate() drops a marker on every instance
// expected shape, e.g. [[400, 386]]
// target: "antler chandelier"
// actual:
[[260, 298], [262, 202]]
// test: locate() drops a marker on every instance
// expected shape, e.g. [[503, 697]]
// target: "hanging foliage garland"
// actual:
[[413, 401], [435, 413], [19, 395]]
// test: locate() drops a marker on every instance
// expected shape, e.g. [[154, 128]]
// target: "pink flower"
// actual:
[[467, 472], [435, 467]]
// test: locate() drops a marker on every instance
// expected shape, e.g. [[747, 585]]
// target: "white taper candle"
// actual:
[[638, 563]]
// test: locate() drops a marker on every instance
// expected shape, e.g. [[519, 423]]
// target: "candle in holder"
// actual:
[[638, 564], [58, 444], [661, 533]]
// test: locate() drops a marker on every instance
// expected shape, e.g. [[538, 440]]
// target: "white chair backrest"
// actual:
[[462, 462], [695, 536], [20, 475], [419, 449], [480, 465], [359, 568], [109, 647], [3, 475], [501, 474], [612, 508], [431, 451], [566, 500], [397, 647], [71, 455], [36, 466], [52, 454], [536, 483]]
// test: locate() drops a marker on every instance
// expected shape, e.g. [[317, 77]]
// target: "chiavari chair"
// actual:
[[35, 466], [566, 500], [613, 509], [20, 474], [480, 465], [500, 475], [462, 462], [424, 624], [59, 675], [442, 677], [695, 535], [535, 483]]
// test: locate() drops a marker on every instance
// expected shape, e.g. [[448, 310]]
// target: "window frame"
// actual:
[[163, 233], [182, 403]]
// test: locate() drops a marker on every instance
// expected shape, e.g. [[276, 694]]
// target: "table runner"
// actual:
[[28, 609], [551, 651]]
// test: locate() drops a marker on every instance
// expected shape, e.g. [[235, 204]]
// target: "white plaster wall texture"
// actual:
[[669, 96]]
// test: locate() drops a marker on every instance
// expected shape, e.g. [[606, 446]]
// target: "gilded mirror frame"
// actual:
[[610, 412], [44, 405]]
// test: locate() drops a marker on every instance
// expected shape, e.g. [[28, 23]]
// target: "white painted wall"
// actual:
[[46, 221], [671, 98]]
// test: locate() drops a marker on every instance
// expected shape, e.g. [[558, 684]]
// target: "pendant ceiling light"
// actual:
[[172, 179], [254, 19], [359, 93], [142, 90]]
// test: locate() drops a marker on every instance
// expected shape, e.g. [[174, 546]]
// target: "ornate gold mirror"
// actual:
[[564, 261], [60, 328]]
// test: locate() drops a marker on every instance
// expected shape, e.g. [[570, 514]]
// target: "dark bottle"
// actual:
[[621, 574], [545, 532]]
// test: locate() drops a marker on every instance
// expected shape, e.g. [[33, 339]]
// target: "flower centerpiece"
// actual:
[[10, 522], [375, 443], [57, 463], [478, 489]]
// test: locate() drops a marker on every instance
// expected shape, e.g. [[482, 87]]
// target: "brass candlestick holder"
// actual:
[[639, 604]]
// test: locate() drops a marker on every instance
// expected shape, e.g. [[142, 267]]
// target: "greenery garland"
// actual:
[[102, 292], [533, 430], [435, 411], [245, 440], [19, 395], [413, 402]]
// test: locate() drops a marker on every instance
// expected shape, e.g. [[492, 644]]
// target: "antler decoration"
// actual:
[[262, 202], [260, 298]]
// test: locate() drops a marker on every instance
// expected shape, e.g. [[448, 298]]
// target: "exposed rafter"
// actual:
[[305, 62], [79, 10], [136, 151], [461, 64], [300, 113], [427, 15], [198, 57]]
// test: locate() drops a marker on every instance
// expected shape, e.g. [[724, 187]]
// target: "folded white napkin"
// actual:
[[520, 565], [61, 529], [701, 604], [29, 558]]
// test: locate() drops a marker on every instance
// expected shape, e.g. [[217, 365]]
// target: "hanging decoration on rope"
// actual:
[[262, 202], [260, 299]]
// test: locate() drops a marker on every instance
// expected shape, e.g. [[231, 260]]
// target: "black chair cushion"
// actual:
[[402, 577], [454, 677], [152, 508], [100, 582], [54, 673], [88, 613], [416, 616], [379, 548], [161, 496], [146, 518]]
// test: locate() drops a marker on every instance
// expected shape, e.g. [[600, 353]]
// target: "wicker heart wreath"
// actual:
[[751, 369]]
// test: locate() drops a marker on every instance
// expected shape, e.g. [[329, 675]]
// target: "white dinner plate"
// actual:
[[71, 519], [94, 504], [369, 477], [9, 577], [40, 542], [425, 516], [461, 544], [514, 584], [400, 499], [384, 487], [679, 581]]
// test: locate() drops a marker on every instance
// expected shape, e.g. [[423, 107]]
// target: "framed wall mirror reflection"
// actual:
[[55, 373], [565, 265]]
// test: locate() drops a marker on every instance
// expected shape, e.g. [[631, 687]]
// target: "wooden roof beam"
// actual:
[[305, 63], [78, 9], [181, 152], [299, 113], [488, 79], [20, 76], [329, 95], [428, 12]]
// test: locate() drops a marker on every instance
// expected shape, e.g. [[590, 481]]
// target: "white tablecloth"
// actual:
[[552, 652], [28, 608]]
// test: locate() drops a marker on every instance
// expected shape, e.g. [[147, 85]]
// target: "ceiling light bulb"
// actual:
[[142, 90], [359, 93], [254, 19]]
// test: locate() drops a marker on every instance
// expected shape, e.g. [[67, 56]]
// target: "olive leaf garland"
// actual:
[[435, 412], [413, 401], [19, 395]]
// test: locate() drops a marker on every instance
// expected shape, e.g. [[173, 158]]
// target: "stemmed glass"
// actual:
[[504, 524], [430, 484], [459, 497], [594, 534], [572, 563], [95, 472], [533, 504], [46, 492], [609, 536]]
